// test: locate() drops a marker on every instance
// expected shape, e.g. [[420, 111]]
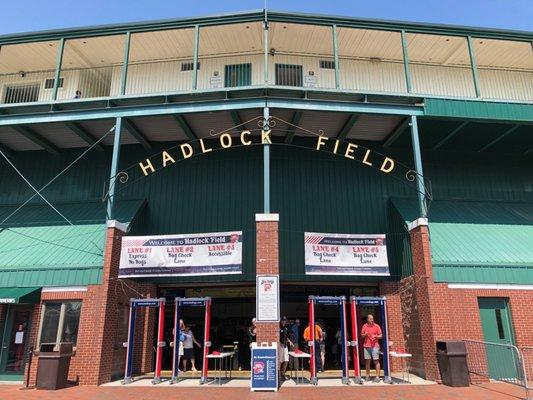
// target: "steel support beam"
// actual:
[[7, 151], [209, 106], [406, 69], [185, 127], [125, 64], [417, 155], [235, 117], [266, 166], [37, 139], [295, 120], [397, 132], [348, 125], [195, 57], [114, 169], [503, 135], [265, 50], [450, 135], [336, 56], [84, 135], [59, 61], [136, 133], [473, 65]]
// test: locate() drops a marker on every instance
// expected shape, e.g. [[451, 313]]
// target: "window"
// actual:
[[238, 75], [59, 322], [22, 93], [289, 75], [49, 83], [189, 66], [327, 64]]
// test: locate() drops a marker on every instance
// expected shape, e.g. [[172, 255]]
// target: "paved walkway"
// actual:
[[492, 391]]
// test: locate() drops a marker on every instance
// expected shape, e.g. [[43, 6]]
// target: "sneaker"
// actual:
[[368, 379], [376, 380]]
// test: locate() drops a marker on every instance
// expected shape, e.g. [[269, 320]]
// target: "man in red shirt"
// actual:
[[371, 333]]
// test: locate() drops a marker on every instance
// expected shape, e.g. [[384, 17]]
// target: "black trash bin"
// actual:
[[53, 365], [453, 367]]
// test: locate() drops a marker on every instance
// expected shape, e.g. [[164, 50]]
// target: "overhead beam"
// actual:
[[397, 132], [295, 120], [210, 106], [503, 135], [235, 117], [136, 133], [84, 135], [348, 125], [7, 151], [37, 139], [451, 135], [184, 125]]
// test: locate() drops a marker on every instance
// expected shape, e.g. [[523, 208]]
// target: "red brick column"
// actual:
[[424, 309], [267, 262], [391, 290]]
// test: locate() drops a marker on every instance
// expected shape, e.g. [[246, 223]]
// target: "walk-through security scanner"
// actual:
[[370, 301], [339, 301], [191, 302], [134, 305]]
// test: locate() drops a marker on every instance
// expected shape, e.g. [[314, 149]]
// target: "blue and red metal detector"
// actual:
[[134, 304], [191, 302], [370, 301], [339, 301]]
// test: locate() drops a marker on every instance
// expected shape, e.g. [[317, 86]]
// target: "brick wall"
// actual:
[[267, 262]]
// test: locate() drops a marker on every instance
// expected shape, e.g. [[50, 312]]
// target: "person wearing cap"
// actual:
[[284, 343]]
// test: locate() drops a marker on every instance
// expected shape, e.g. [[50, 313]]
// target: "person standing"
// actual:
[[318, 337], [371, 333], [188, 348], [284, 343], [322, 345]]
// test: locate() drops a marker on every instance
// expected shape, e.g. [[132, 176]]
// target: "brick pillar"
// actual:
[[267, 262], [424, 306], [143, 350], [391, 290]]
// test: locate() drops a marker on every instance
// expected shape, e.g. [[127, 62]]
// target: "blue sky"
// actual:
[[32, 15]]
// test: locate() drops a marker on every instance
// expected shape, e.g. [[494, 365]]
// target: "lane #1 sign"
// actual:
[[217, 253], [345, 254]]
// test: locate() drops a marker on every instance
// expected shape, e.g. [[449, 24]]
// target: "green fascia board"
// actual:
[[46, 277], [483, 274], [274, 16], [20, 295], [478, 110]]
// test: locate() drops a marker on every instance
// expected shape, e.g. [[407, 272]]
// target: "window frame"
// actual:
[[60, 324]]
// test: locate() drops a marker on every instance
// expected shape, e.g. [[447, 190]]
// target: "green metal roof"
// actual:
[[26, 295], [482, 242], [39, 250], [258, 15]]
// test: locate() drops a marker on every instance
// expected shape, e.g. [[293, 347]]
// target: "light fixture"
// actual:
[[22, 74]]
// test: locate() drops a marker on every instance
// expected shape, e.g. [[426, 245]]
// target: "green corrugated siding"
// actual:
[[478, 110], [480, 242]]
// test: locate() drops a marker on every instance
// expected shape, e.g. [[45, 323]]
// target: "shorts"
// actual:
[[188, 354], [283, 353], [371, 353]]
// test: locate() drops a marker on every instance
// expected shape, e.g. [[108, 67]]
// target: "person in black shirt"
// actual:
[[284, 342]]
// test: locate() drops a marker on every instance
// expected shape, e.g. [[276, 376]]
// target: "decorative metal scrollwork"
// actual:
[[123, 177]]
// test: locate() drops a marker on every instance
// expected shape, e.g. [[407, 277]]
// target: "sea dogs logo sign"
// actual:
[[345, 254], [181, 255]]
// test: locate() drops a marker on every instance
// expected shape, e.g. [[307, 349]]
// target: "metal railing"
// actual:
[[497, 361]]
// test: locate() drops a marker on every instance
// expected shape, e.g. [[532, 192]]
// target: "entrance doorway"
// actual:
[[497, 328], [15, 341]]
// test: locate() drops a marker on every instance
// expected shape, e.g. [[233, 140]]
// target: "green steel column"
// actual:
[[421, 188], [473, 64], [124, 72], [266, 166], [59, 61], [265, 39], [408, 82], [114, 169], [336, 57], [195, 60]]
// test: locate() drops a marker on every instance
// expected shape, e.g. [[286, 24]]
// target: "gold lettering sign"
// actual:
[[226, 141]]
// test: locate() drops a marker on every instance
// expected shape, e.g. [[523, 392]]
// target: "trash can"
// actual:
[[53, 365], [453, 367]]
